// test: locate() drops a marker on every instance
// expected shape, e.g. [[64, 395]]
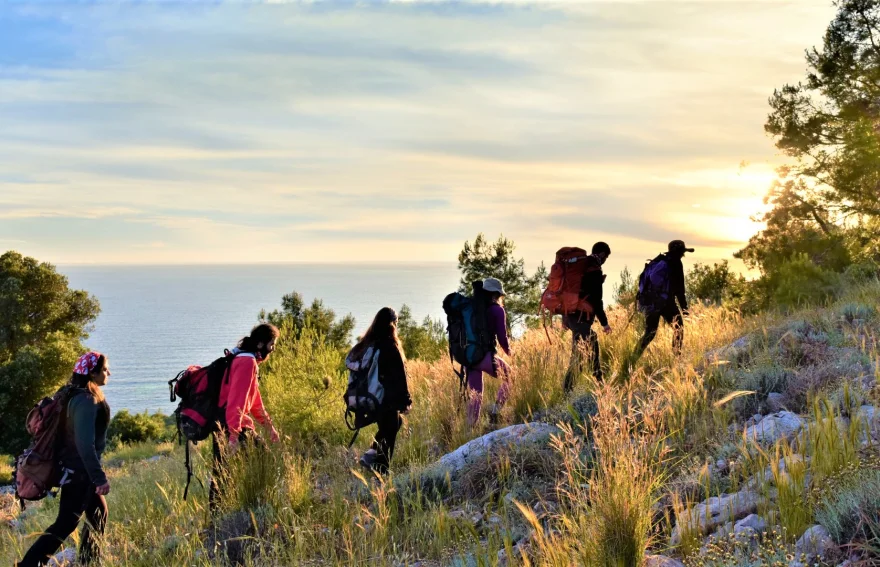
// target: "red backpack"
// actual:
[[38, 469], [198, 412], [562, 295]]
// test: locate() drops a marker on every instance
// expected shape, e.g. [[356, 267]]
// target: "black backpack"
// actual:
[[467, 328], [199, 411]]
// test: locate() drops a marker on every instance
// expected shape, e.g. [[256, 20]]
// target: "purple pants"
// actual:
[[493, 366]]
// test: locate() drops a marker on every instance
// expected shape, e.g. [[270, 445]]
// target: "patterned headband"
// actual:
[[87, 363]]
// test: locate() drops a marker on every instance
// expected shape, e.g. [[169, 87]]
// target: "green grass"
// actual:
[[611, 476]]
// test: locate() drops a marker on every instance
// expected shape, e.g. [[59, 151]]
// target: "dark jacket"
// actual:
[[591, 289], [676, 282], [85, 435], [392, 374]]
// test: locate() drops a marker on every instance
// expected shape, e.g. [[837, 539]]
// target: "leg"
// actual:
[[389, 425], [70, 509], [475, 393], [502, 371], [580, 330], [677, 322], [93, 529], [216, 471], [652, 321], [594, 355]]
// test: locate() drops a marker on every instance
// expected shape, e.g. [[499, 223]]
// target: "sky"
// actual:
[[388, 131]]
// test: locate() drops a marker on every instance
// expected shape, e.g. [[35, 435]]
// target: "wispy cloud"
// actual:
[[345, 130]]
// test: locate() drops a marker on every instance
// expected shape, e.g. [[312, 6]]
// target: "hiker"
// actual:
[[241, 404], [662, 295], [382, 336], [84, 483], [496, 328], [580, 322]]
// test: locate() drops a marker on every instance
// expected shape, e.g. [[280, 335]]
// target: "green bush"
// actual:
[[424, 342], [854, 311], [126, 427], [710, 284], [302, 385], [799, 282], [842, 510]]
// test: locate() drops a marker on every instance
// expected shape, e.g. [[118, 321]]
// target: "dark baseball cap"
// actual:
[[679, 246]]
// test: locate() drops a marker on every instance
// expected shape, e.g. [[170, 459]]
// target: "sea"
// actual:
[[157, 320]]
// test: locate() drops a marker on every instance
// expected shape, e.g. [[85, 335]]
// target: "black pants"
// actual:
[[672, 316], [581, 326], [245, 437], [389, 423], [77, 498]]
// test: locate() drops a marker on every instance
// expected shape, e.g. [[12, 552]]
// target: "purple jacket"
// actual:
[[497, 320]]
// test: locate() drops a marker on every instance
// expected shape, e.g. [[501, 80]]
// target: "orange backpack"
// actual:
[[562, 295]]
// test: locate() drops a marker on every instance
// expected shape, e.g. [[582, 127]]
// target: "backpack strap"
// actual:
[[189, 471], [353, 437]]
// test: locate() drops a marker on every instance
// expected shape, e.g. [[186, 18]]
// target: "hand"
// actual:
[[103, 489], [607, 329], [406, 410], [274, 437]]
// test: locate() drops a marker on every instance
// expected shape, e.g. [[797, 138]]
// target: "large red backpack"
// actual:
[[562, 295], [199, 411], [38, 470]]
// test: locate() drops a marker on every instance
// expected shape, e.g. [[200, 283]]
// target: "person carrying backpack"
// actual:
[[382, 337], [240, 402], [581, 322], [496, 328], [662, 295], [84, 484]]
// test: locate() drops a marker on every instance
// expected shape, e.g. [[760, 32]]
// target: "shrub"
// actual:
[[302, 385], [5, 469], [799, 282], [854, 311], [709, 284], [128, 427], [424, 342], [842, 510]]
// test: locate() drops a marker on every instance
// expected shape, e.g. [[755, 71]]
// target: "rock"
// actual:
[[775, 402], [751, 522], [754, 420], [464, 516], [8, 489], [815, 543], [465, 561], [477, 449], [780, 425], [867, 413], [64, 558], [715, 512], [662, 561], [722, 466], [155, 459]]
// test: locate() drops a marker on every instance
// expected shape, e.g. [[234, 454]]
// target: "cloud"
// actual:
[[386, 129]]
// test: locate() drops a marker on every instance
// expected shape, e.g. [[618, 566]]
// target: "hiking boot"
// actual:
[[368, 459]]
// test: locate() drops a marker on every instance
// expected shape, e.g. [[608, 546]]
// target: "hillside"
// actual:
[[764, 429]]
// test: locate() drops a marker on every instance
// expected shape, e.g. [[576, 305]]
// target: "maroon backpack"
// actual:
[[199, 412], [38, 469]]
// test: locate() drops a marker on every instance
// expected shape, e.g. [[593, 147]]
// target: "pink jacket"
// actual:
[[240, 396]]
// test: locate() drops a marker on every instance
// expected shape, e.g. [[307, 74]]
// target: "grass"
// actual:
[[6, 469], [604, 491]]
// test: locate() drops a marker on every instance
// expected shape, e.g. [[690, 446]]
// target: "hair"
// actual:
[[85, 380], [384, 326], [601, 247], [262, 333]]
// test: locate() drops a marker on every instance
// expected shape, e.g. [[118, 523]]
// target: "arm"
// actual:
[[242, 377], [676, 276], [499, 318], [393, 373], [260, 414], [594, 296], [83, 412]]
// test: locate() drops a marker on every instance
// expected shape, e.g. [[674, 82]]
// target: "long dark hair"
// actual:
[[384, 326], [85, 380], [262, 333]]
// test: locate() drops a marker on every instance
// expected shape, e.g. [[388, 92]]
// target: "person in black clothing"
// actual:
[[84, 483], [676, 306], [382, 335], [581, 322]]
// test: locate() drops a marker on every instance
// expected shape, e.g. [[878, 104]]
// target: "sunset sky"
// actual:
[[234, 132]]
